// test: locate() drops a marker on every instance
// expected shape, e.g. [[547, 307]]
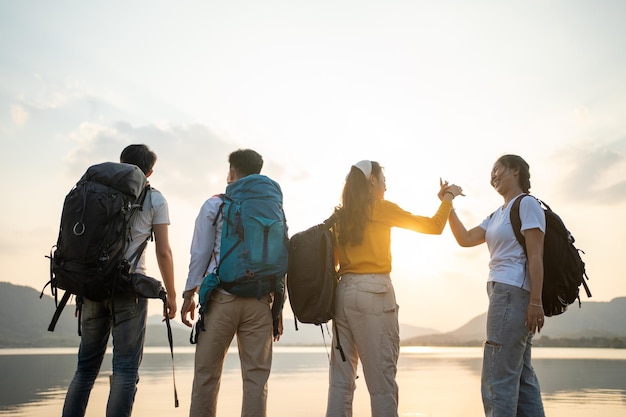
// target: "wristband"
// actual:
[[451, 193]]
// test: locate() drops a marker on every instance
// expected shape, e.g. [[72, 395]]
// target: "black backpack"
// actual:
[[312, 275], [89, 260], [94, 232], [563, 268]]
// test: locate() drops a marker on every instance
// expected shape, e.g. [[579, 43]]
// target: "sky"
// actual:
[[429, 89]]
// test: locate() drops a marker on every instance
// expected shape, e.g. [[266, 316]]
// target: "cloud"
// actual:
[[597, 174], [55, 107], [43, 94], [19, 115], [192, 159]]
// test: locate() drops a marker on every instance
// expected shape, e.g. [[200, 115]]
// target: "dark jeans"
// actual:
[[128, 339]]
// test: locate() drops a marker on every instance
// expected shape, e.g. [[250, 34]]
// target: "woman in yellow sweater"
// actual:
[[366, 314]]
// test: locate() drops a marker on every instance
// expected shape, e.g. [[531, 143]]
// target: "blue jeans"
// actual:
[[509, 385], [128, 339]]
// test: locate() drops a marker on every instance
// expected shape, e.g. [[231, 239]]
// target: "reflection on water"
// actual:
[[574, 382], [27, 378]]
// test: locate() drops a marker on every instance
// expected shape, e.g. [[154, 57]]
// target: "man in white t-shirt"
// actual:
[[129, 324]]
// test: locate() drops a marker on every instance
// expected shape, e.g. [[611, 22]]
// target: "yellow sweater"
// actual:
[[373, 255]]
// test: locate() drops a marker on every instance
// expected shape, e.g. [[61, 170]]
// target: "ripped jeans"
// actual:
[[366, 320], [509, 385]]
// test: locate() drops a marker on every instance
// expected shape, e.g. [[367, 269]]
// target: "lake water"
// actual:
[[434, 382]]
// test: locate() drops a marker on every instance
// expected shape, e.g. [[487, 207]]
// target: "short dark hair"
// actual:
[[245, 162], [139, 155], [517, 162]]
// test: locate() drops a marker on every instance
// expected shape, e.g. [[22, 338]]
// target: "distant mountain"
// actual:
[[471, 333], [311, 335], [24, 320], [591, 320]]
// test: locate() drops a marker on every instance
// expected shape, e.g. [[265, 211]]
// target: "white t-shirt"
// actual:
[[508, 261], [155, 211]]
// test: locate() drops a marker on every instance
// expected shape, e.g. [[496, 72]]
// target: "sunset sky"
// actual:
[[429, 89]]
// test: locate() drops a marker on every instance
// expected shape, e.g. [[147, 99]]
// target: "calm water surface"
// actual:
[[441, 382]]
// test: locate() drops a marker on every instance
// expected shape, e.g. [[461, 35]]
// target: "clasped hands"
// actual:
[[446, 188]]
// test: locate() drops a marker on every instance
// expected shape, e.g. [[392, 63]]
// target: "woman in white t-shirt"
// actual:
[[509, 385]]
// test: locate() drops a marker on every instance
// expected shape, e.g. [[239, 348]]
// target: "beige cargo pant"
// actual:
[[251, 320], [366, 324]]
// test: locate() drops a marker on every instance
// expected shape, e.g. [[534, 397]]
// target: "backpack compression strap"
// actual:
[[59, 310]]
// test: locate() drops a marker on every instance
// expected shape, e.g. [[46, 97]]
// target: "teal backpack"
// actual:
[[254, 249]]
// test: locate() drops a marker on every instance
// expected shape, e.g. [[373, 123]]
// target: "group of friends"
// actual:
[[366, 312]]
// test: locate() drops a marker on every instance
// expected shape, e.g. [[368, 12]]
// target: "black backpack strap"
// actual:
[[59, 310], [338, 345], [220, 211], [585, 286], [170, 339], [197, 327], [516, 222], [79, 314], [142, 197], [51, 282], [134, 258], [330, 222]]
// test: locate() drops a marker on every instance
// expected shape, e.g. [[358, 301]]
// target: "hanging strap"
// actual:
[[197, 327], [79, 314], [170, 339], [59, 310], [338, 345], [59, 304]]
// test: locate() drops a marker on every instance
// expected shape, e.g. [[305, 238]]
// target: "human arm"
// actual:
[[534, 252], [447, 192], [278, 303], [165, 261], [201, 254], [188, 310], [278, 332], [428, 225], [465, 238]]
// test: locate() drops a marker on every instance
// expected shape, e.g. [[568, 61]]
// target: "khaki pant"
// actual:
[[366, 321], [251, 320]]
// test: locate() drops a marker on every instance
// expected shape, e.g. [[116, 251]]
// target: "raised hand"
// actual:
[[447, 188]]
